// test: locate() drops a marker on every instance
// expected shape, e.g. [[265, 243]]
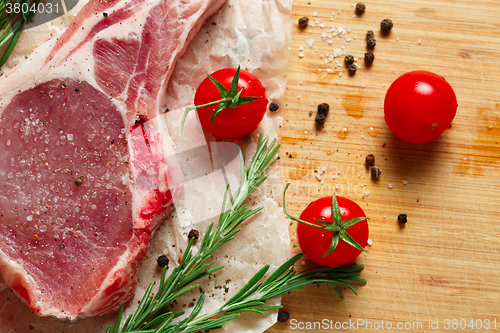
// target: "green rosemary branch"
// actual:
[[252, 297], [194, 267], [153, 315], [12, 23]]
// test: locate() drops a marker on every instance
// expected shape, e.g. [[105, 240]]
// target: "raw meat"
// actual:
[[86, 175]]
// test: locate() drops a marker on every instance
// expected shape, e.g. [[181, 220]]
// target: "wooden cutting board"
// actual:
[[441, 270]]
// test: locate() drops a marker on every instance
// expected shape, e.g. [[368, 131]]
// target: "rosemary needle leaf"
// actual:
[[118, 320], [282, 269], [337, 291], [238, 306], [211, 324], [184, 291], [162, 319], [253, 281]]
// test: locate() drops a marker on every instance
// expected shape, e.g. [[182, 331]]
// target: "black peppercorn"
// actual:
[[360, 8], [370, 160], [349, 59], [369, 34], [274, 106], [303, 21], [402, 218], [375, 172], [162, 261], [194, 233], [283, 316], [386, 25], [320, 118], [370, 43], [369, 57], [352, 68], [78, 182], [323, 108]]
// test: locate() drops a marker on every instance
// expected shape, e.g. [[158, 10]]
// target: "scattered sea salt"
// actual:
[[369, 241], [367, 193], [405, 182], [301, 55], [310, 42], [389, 185], [30, 218]]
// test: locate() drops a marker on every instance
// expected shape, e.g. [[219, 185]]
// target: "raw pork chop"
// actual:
[[85, 178]]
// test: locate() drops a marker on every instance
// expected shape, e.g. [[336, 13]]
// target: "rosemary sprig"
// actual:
[[194, 267], [153, 315], [252, 297], [12, 23]]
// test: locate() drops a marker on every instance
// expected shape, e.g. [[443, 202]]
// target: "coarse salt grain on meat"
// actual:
[[84, 168]]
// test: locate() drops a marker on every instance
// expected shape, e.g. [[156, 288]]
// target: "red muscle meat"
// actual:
[[85, 178]]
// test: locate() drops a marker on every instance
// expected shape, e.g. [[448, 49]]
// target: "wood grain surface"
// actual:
[[444, 263]]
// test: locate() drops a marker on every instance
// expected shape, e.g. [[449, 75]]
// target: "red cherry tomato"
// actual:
[[419, 106], [315, 242], [231, 122]]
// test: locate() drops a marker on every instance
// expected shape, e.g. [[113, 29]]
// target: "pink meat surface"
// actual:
[[86, 169]]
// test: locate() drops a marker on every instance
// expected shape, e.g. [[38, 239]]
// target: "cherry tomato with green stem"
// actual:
[[332, 231], [230, 103]]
